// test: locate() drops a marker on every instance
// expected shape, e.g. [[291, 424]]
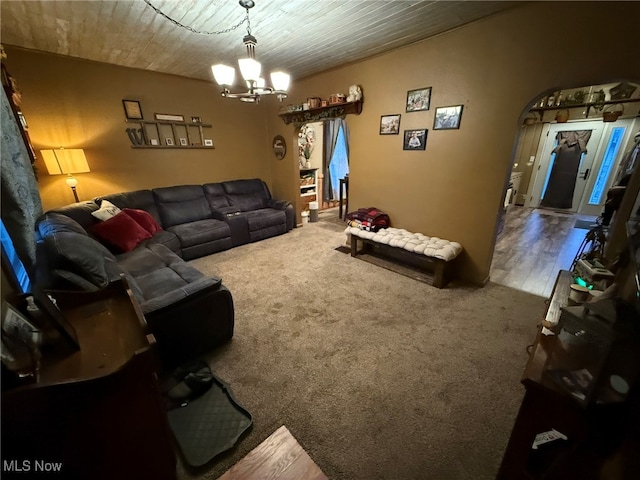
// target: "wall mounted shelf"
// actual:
[[191, 133], [540, 110], [315, 114]]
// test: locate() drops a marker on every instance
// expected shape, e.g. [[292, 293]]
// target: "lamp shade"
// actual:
[[280, 81], [223, 74], [65, 161], [249, 68]]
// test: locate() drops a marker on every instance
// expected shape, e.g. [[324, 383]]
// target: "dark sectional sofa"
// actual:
[[188, 312]]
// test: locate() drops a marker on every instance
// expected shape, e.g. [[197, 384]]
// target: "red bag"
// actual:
[[370, 219]]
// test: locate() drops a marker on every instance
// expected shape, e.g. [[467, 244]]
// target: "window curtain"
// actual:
[[21, 203], [331, 134]]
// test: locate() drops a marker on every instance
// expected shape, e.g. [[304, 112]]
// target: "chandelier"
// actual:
[[250, 69]]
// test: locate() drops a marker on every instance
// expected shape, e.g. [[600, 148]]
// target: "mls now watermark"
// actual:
[[18, 466]]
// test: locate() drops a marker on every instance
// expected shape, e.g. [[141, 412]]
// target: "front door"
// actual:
[[565, 165], [596, 167]]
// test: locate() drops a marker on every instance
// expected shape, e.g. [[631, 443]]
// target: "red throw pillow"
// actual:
[[144, 219], [120, 232]]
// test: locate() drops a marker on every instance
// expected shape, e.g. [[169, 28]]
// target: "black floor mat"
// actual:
[[209, 424], [584, 224]]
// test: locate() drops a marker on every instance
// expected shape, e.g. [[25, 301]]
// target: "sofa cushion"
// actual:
[[216, 196], [121, 233], [166, 238], [157, 272], [246, 195], [144, 219], [52, 222], [106, 211], [138, 199], [181, 204], [266, 217], [76, 258], [203, 231], [79, 212]]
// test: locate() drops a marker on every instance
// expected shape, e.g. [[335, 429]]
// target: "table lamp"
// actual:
[[66, 161]]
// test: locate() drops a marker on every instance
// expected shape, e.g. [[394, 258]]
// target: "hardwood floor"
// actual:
[[279, 457], [533, 245]]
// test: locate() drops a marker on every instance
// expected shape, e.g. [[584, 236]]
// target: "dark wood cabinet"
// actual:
[[600, 430], [95, 412]]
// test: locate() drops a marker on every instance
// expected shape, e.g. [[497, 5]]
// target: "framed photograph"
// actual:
[[154, 141], [415, 139], [168, 141], [183, 142], [16, 325], [418, 99], [208, 142], [390, 124], [132, 109], [447, 118], [196, 120], [66, 330], [167, 117]]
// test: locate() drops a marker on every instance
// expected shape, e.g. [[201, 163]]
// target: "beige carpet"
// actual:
[[377, 375]]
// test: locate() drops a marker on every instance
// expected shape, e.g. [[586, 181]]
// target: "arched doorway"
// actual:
[[547, 210]]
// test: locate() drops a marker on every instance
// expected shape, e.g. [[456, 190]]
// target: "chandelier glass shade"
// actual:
[[250, 69]]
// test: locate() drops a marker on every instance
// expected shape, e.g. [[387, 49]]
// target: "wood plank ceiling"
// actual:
[[301, 37]]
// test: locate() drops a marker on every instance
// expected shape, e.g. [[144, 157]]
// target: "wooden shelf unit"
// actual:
[[540, 110], [308, 192], [194, 139], [322, 113]]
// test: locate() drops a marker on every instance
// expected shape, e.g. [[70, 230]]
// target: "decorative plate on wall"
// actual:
[[279, 147]]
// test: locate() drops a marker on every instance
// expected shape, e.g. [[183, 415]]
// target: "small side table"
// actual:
[[96, 412], [344, 185]]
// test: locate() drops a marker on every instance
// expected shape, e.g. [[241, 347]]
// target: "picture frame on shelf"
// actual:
[[196, 120], [132, 109], [418, 99], [154, 141], [390, 124], [183, 142], [208, 142], [415, 139], [447, 118], [168, 117], [47, 305], [168, 141]]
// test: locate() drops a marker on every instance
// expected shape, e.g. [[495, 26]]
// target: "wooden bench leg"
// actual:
[[354, 245], [439, 277]]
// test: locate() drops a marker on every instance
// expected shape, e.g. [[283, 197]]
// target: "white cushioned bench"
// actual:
[[416, 249]]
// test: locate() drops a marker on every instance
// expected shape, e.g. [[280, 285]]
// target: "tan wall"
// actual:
[[496, 68], [454, 189], [78, 104]]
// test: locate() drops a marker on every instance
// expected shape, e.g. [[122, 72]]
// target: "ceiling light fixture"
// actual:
[[250, 69]]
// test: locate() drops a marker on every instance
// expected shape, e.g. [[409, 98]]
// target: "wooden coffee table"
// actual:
[[279, 457]]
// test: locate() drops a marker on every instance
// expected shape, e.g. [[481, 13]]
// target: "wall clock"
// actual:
[[279, 147]]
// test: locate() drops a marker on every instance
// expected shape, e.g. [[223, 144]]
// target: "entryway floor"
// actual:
[[533, 245]]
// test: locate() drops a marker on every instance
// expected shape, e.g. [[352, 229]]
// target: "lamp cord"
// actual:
[[199, 32]]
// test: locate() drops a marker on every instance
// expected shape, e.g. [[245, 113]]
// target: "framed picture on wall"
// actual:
[[132, 109], [418, 99], [415, 139], [447, 118], [390, 124]]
